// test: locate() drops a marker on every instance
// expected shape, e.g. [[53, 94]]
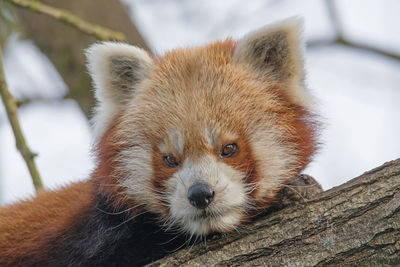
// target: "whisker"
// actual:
[[128, 220], [300, 186], [184, 185], [119, 212], [172, 239], [194, 242], [184, 244], [294, 190]]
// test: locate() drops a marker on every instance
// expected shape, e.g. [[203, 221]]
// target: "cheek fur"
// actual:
[[109, 176]]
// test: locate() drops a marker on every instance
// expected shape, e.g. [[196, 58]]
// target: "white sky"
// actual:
[[358, 92]]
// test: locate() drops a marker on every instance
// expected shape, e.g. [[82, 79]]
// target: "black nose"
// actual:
[[200, 195]]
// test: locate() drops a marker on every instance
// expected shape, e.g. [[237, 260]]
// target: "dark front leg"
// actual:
[[111, 238], [302, 188]]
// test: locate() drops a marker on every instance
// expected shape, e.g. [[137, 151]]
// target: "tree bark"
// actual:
[[355, 224], [64, 45]]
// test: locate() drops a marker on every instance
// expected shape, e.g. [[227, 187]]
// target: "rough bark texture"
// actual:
[[355, 224], [65, 45]]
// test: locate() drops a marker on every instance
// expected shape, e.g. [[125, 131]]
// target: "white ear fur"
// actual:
[[276, 51], [116, 70]]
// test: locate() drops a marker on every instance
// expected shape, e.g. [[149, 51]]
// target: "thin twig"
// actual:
[[334, 17], [11, 109], [340, 38], [347, 43], [101, 33]]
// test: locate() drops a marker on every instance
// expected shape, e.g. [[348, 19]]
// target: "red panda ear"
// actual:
[[276, 51], [116, 70]]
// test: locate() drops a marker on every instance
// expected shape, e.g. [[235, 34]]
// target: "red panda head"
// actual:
[[204, 137]]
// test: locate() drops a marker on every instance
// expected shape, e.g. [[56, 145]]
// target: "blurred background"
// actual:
[[352, 64]]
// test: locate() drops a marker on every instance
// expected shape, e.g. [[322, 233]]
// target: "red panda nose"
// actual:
[[200, 195]]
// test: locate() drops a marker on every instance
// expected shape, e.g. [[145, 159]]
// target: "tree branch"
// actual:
[[334, 17], [355, 224], [11, 109], [97, 31], [347, 43]]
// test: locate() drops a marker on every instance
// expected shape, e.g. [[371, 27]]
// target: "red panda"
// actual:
[[198, 141]]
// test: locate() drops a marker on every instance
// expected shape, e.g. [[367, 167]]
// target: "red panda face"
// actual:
[[204, 137]]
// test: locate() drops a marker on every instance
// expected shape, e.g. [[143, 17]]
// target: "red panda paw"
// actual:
[[299, 190]]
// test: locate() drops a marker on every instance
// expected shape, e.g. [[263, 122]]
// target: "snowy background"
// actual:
[[358, 92]]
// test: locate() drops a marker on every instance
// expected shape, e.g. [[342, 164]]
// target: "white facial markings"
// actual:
[[176, 140], [137, 163], [276, 162], [163, 148], [229, 203], [212, 135], [174, 143]]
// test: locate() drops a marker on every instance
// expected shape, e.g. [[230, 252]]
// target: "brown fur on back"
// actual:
[[30, 230]]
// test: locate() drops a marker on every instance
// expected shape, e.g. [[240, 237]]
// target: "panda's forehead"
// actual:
[[174, 141], [205, 138], [216, 135]]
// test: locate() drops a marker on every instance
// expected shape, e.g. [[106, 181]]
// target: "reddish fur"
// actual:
[[304, 137], [161, 174], [227, 46], [31, 230], [301, 127], [108, 174]]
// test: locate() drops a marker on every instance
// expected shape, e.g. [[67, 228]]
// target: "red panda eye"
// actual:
[[229, 150], [170, 161]]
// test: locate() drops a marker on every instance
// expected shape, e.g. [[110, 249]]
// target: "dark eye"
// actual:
[[170, 161], [228, 150]]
